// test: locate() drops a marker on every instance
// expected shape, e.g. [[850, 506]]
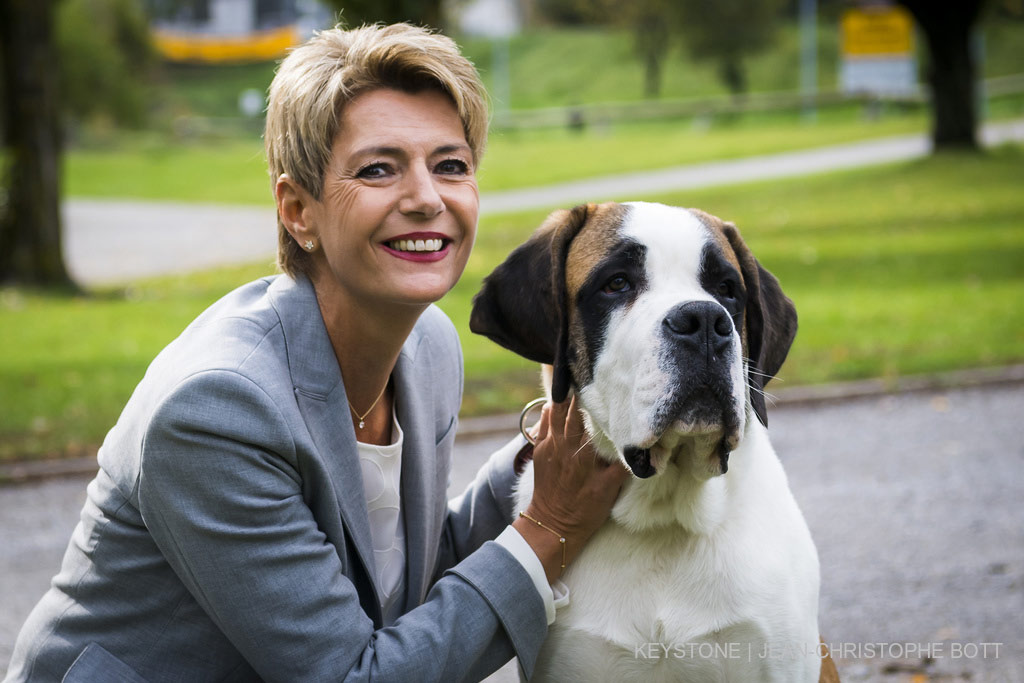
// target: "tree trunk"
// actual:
[[30, 229], [951, 70], [652, 44], [734, 76], [652, 75]]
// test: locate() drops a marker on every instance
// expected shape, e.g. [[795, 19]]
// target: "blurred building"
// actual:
[[232, 31], [492, 18]]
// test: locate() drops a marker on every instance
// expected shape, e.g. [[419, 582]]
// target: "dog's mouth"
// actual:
[[700, 425], [648, 461], [639, 461]]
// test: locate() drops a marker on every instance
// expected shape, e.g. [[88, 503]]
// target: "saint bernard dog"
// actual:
[[667, 328]]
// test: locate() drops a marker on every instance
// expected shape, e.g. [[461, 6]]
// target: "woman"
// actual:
[[271, 503]]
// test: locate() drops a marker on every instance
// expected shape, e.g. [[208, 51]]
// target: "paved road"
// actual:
[[914, 502], [116, 241]]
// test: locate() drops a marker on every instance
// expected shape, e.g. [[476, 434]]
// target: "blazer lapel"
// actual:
[[320, 395], [415, 410]]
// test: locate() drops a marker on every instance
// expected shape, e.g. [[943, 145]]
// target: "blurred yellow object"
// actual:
[[873, 31], [179, 46], [877, 31], [877, 56]]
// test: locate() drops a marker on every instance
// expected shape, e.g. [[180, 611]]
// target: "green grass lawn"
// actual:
[[210, 90], [540, 157], [70, 363], [234, 171], [910, 268], [150, 167]]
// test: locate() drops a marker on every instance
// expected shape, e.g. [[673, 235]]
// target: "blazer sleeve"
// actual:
[[221, 497], [485, 508]]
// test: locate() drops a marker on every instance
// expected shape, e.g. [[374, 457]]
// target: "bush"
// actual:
[[106, 58]]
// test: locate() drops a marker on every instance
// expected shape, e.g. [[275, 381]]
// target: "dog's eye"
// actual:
[[727, 289], [617, 284]]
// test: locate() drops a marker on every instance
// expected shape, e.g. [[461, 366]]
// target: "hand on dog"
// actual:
[[574, 489]]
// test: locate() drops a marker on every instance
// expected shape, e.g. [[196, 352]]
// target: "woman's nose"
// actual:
[[420, 194]]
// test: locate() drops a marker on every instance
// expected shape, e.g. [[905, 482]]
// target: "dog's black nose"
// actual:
[[700, 323]]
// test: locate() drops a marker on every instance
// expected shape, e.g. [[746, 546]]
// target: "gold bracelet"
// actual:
[[561, 538]]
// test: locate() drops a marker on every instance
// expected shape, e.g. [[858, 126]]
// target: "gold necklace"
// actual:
[[362, 418]]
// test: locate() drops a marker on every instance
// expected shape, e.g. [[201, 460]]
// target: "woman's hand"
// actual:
[[573, 490]]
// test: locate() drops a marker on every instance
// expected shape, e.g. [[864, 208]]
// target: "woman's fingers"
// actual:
[[574, 421], [544, 426], [559, 412]]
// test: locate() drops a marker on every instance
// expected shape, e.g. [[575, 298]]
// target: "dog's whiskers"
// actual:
[[752, 371], [771, 398]]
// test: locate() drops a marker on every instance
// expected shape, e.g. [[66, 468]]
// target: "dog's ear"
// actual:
[[770, 319], [522, 305]]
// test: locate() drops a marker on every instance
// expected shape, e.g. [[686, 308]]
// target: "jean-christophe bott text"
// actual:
[[765, 651]]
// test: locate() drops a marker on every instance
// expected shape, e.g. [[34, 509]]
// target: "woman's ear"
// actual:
[[294, 206]]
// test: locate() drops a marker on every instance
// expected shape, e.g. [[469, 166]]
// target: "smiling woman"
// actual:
[[271, 503], [400, 176]]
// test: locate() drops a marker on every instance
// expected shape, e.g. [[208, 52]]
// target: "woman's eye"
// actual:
[[378, 170], [453, 167], [617, 284]]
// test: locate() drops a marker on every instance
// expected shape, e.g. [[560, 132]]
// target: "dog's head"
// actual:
[[660, 318]]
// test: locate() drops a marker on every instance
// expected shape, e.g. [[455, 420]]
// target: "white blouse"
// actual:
[[382, 472]]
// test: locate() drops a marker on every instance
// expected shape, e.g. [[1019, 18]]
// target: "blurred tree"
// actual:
[[1011, 8], [30, 230], [59, 58], [420, 12], [952, 73], [105, 70], [722, 31], [727, 32], [651, 21], [563, 12], [652, 26]]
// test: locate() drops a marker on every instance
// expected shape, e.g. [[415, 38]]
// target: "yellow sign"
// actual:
[[258, 46], [876, 31]]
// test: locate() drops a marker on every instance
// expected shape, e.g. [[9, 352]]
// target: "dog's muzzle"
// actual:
[[697, 344], [701, 329]]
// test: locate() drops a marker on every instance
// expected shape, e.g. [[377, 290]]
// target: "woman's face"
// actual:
[[397, 214]]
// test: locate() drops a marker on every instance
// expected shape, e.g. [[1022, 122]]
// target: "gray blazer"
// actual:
[[225, 537]]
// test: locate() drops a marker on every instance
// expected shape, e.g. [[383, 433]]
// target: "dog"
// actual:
[[667, 328]]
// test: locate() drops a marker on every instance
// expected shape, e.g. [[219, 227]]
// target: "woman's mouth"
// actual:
[[416, 245], [422, 247]]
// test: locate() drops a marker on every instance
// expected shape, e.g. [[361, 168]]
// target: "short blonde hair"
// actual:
[[317, 79]]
